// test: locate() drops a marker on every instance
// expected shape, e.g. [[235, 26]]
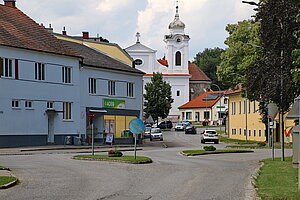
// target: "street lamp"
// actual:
[[220, 104]]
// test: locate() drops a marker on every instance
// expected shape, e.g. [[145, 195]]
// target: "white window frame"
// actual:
[[67, 111], [15, 104], [50, 105], [130, 89], [233, 109], [233, 131], [28, 104], [40, 72], [92, 86], [7, 68], [112, 88], [66, 74], [189, 115]]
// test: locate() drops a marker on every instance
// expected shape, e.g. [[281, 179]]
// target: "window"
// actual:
[[245, 132], [7, 68], [225, 101], [206, 115], [240, 131], [188, 115], [67, 109], [15, 103], [178, 93], [111, 88], [254, 107], [178, 58], [240, 107], [254, 133], [233, 108], [183, 115], [50, 105], [249, 106], [39, 71], [259, 133], [138, 62], [249, 132], [245, 106], [130, 90], [92, 86], [28, 104], [66, 74], [233, 131]]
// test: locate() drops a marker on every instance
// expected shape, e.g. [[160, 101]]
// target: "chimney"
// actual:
[[50, 29], [10, 3], [85, 35], [64, 32]]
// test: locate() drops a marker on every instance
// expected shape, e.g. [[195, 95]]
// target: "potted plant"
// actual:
[[114, 153]]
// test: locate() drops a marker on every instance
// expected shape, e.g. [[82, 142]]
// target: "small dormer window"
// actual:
[[138, 62], [178, 40]]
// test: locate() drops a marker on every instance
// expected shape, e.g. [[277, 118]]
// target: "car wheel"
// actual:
[[151, 139], [161, 139], [216, 142], [202, 141]]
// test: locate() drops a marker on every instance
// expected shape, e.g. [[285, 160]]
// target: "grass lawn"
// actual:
[[278, 180], [2, 167], [228, 140], [260, 147], [6, 179], [123, 158], [216, 151]]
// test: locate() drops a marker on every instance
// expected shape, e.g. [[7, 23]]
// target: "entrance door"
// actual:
[[51, 128], [197, 116]]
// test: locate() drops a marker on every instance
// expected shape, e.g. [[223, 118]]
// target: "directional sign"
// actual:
[[136, 126]]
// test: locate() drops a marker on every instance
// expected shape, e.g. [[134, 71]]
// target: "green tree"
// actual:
[[158, 98], [240, 54], [208, 60]]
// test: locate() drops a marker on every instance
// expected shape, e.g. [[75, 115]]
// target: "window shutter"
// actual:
[[1, 67]]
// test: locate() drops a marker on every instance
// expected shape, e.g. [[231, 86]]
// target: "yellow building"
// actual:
[[244, 120], [111, 49]]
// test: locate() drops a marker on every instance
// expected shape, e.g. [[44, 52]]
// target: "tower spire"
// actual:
[[177, 9]]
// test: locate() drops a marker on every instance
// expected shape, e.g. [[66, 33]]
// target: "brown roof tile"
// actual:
[[18, 30], [197, 73]]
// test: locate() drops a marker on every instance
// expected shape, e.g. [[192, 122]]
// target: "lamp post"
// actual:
[[220, 104]]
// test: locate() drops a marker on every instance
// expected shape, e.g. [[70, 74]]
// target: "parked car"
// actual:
[[147, 132], [156, 134], [209, 136], [180, 127], [165, 125], [186, 122], [190, 130]]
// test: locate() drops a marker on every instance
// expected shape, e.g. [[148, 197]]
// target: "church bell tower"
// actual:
[[177, 46]]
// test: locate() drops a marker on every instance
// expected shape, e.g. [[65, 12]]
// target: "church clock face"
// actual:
[[178, 40]]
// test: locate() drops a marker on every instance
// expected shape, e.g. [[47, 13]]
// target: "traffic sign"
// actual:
[[136, 126]]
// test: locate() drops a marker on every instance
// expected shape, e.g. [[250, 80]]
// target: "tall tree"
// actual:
[[208, 60], [270, 78], [240, 54], [158, 98]]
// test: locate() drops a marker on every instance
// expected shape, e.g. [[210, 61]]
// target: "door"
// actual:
[[197, 116]]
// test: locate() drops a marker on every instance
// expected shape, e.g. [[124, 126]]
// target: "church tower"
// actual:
[[177, 46]]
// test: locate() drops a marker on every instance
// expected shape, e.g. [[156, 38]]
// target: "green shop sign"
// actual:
[[112, 103]]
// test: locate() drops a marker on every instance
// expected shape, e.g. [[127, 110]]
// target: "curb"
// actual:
[[198, 154], [8, 185], [109, 160]]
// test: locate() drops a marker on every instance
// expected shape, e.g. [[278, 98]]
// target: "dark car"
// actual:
[[190, 130], [165, 125]]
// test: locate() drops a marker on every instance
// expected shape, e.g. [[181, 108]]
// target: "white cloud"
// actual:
[[113, 5]]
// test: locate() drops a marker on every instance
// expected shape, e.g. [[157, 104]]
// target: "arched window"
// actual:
[[178, 58]]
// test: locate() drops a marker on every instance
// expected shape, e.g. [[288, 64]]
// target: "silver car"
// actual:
[[156, 134], [209, 136]]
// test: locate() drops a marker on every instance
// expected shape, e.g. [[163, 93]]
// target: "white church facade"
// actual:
[[186, 79]]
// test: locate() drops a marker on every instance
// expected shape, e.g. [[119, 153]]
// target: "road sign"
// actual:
[[136, 126]]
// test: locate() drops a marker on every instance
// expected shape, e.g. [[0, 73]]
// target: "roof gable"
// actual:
[[139, 47]]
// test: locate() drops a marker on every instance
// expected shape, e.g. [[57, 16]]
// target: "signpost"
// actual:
[[136, 126], [92, 126]]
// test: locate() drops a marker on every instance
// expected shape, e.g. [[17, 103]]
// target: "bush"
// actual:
[[114, 153], [261, 144], [209, 148]]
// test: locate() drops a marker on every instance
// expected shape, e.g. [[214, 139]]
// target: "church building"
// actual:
[[186, 79]]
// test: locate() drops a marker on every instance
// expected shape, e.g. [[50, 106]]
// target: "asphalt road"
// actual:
[[171, 176]]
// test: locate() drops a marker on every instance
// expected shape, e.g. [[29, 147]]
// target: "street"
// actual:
[[55, 175]]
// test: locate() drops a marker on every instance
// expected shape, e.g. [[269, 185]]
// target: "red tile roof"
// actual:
[[197, 73], [198, 102], [163, 62], [18, 30], [237, 90]]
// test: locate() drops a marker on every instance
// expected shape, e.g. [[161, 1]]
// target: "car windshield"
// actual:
[[147, 129], [156, 131], [180, 124], [211, 132]]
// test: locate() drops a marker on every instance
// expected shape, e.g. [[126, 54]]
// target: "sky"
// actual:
[[119, 20]]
